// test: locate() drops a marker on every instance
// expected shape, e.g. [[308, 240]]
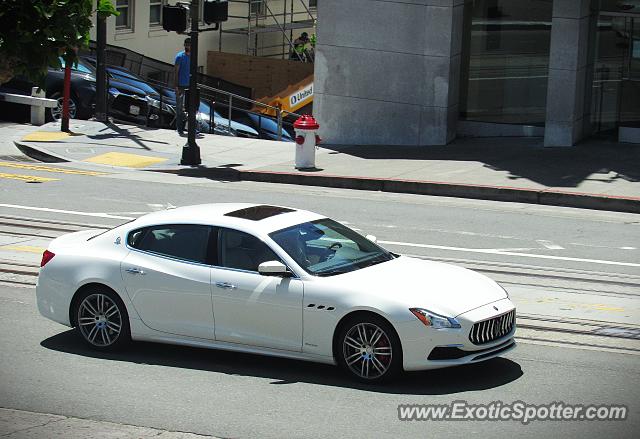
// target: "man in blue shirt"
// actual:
[[181, 82]]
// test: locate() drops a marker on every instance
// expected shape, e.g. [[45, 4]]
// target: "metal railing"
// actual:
[[230, 97]]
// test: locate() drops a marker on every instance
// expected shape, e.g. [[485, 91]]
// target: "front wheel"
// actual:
[[55, 113], [102, 319], [369, 349]]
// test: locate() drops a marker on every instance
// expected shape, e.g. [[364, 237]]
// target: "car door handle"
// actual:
[[225, 285], [135, 271]]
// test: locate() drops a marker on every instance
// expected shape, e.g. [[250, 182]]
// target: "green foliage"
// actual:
[[106, 8], [34, 33]]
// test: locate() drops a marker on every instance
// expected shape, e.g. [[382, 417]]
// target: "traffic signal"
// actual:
[[174, 18], [215, 11]]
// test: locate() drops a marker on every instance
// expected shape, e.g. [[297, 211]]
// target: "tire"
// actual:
[[368, 349], [56, 112], [102, 320]]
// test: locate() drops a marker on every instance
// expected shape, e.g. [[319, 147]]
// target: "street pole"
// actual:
[[101, 72], [66, 94], [191, 151]]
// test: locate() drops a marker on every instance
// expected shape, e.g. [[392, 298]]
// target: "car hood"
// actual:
[[442, 288], [235, 125]]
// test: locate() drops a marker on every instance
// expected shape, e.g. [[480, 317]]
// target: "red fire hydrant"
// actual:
[[307, 140]]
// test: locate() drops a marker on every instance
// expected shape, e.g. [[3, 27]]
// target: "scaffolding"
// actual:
[[265, 18]]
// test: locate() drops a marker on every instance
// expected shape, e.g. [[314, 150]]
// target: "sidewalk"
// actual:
[[19, 424], [595, 174]]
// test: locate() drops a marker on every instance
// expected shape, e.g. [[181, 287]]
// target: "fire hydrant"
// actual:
[[307, 140]]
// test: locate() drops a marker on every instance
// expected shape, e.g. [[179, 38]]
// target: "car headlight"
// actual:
[[434, 320], [156, 104]]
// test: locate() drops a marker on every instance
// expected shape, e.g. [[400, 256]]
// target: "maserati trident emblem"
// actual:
[[495, 307]]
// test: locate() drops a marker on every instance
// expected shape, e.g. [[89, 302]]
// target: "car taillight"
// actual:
[[46, 257]]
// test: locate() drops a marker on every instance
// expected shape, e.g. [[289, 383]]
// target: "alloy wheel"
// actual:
[[100, 320], [56, 112], [367, 351]]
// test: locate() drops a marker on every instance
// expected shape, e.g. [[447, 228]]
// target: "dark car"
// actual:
[[266, 126], [124, 100], [83, 90]]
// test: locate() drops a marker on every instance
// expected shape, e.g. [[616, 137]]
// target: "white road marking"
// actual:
[[69, 212], [513, 249], [550, 245], [130, 213], [603, 246], [507, 253]]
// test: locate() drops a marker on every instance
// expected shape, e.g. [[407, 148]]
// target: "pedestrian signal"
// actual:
[[215, 11], [174, 18]]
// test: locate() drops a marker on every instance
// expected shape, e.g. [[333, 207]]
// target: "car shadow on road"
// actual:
[[486, 375]]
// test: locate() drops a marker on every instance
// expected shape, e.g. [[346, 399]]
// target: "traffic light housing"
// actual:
[[215, 11], [174, 18]]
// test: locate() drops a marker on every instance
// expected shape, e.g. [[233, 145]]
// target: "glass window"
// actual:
[[257, 7], [181, 241], [155, 12], [124, 21], [79, 67], [242, 251], [326, 247], [506, 61]]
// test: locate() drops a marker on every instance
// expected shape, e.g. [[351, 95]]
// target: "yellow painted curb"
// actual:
[[49, 169], [23, 248], [46, 136], [27, 178], [124, 159]]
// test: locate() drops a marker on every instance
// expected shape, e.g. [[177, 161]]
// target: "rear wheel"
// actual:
[[369, 349], [55, 113], [102, 319]]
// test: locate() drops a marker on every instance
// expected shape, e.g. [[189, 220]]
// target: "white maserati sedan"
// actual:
[[276, 281]]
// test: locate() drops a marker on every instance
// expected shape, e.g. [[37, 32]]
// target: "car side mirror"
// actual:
[[274, 268], [372, 238]]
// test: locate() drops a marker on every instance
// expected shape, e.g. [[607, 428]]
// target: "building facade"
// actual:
[[255, 27], [423, 72]]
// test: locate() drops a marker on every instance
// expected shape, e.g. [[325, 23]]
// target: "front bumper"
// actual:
[[427, 348]]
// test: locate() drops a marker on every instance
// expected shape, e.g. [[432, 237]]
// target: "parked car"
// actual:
[[266, 126], [159, 96], [83, 90], [245, 268], [223, 124]]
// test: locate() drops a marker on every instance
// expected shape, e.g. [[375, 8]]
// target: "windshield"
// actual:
[[79, 67], [326, 248]]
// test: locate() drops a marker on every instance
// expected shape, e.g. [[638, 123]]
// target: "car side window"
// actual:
[[242, 251], [188, 242]]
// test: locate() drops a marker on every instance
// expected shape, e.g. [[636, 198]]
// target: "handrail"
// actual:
[[280, 113]]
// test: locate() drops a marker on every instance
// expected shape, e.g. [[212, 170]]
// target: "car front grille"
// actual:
[[492, 329]]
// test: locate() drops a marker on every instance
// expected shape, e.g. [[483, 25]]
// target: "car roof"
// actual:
[[249, 217]]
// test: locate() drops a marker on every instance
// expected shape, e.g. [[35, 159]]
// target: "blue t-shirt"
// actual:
[[183, 62]]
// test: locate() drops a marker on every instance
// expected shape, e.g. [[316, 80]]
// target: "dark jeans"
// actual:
[[180, 119]]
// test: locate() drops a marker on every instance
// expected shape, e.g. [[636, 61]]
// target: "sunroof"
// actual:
[[257, 213]]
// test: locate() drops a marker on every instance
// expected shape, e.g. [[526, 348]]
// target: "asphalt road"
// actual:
[[45, 368], [559, 262]]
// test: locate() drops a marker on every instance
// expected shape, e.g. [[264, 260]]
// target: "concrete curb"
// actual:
[[549, 197], [481, 192], [42, 155]]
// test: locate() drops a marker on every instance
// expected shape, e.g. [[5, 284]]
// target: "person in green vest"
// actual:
[[298, 53]]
